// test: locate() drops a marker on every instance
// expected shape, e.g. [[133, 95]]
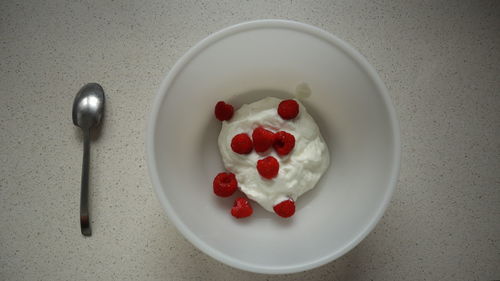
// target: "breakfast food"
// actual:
[[241, 208], [223, 111], [242, 144], [285, 208], [283, 143], [285, 156], [225, 184], [288, 109], [262, 139]]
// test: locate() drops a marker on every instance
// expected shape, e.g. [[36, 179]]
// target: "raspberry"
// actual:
[[223, 111], [262, 139], [225, 184], [288, 109], [285, 208], [242, 144], [241, 208], [283, 142], [268, 167]]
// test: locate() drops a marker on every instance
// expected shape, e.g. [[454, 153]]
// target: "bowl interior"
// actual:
[[243, 64]]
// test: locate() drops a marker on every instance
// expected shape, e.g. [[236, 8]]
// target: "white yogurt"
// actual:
[[299, 171]]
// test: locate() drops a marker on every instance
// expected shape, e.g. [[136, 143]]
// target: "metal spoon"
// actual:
[[88, 109]]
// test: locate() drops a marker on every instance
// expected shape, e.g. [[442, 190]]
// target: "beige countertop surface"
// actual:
[[440, 61]]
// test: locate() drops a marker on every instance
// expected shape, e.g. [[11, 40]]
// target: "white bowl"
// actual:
[[244, 63]]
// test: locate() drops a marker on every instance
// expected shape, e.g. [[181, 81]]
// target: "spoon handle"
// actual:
[[84, 198]]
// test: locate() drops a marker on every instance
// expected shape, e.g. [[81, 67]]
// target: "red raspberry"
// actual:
[[288, 109], [223, 111], [242, 144], [283, 142], [262, 139], [285, 208], [225, 184], [268, 167], [241, 208]]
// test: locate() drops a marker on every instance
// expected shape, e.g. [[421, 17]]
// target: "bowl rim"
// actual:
[[162, 92]]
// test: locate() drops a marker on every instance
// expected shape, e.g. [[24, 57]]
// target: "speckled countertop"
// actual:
[[440, 61]]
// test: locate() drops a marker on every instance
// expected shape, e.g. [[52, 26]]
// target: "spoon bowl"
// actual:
[[88, 106]]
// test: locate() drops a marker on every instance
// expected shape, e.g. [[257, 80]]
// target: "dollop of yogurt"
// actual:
[[299, 171]]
